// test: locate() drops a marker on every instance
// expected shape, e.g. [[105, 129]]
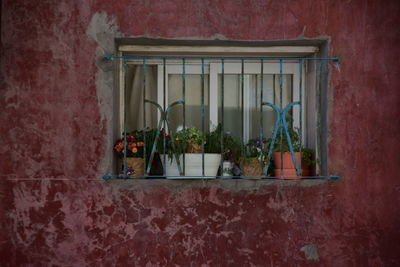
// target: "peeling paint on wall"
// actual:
[[56, 122], [311, 252]]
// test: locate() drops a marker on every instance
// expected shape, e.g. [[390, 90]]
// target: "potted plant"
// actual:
[[134, 154], [189, 140], [283, 160], [308, 162], [230, 153], [253, 158]]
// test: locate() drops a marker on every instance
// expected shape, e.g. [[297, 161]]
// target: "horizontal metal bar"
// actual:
[[106, 177], [334, 59]]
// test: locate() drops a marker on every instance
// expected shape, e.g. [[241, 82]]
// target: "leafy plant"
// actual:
[[231, 145], [189, 139], [308, 157], [281, 141]]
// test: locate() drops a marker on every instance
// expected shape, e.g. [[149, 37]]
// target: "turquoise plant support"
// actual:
[[163, 123], [282, 125]]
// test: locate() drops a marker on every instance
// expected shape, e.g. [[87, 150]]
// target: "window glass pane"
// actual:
[[232, 104], [252, 101], [193, 101]]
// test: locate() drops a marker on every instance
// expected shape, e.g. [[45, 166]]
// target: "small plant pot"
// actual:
[[227, 169], [308, 170], [133, 164], [251, 167]]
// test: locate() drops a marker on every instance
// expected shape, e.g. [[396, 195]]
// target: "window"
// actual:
[[221, 84]]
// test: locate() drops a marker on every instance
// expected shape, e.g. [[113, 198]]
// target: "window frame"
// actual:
[[316, 79]]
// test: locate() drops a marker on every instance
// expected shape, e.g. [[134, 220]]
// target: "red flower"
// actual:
[[119, 146], [167, 136]]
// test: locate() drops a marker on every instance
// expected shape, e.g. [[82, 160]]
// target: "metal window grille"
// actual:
[[280, 128]]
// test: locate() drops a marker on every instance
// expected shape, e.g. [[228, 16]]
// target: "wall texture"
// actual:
[[55, 120]]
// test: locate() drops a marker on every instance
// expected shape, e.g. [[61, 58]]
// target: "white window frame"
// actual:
[[213, 69]]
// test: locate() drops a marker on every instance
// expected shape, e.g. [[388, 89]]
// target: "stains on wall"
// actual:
[[103, 29], [56, 121]]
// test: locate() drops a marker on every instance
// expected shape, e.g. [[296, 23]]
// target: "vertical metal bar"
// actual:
[[321, 101], [261, 111], [184, 104], [274, 89], [261, 100], [202, 115], [164, 108], [242, 94], [125, 105], [301, 114], [222, 113], [255, 106], [281, 107], [144, 114]]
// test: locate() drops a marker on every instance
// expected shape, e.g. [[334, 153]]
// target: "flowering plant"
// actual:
[[255, 148], [134, 145]]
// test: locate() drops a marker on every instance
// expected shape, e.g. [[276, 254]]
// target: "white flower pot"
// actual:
[[193, 166]]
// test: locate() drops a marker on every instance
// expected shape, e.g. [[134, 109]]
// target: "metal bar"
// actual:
[[125, 104], [334, 59], [144, 115], [288, 137], [255, 106], [154, 148], [109, 176], [280, 107], [166, 113], [202, 115], [222, 112], [301, 115], [320, 137], [184, 105], [164, 107], [242, 94], [261, 100], [164, 121], [275, 133]]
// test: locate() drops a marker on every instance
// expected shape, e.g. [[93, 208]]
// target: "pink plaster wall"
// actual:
[[52, 126]]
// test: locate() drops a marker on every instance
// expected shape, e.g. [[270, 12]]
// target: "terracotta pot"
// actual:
[[285, 172], [136, 164], [287, 162], [284, 165], [251, 167]]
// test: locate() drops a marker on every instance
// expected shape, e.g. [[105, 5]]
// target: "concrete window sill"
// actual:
[[229, 184]]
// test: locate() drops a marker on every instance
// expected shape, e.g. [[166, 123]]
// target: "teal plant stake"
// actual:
[[163, 123], [281, 124]]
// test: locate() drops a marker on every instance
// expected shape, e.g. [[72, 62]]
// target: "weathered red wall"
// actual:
[[54, 124]]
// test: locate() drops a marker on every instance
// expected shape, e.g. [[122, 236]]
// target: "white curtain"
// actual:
[[134, 97]]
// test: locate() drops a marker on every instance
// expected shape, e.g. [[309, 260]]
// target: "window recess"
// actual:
[[262, 93]]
